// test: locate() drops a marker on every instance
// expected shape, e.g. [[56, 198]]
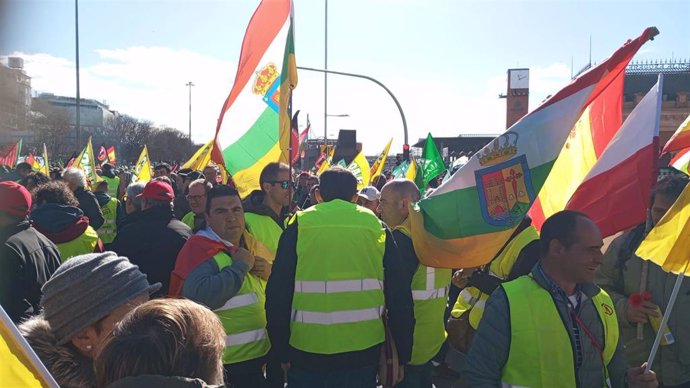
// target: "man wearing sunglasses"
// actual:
[[266, 209]]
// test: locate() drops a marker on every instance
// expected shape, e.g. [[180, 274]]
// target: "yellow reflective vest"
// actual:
[[264, 229], [108, 230], [429, 294], [113, 185], [541, 353], [85, 243], [471, 300], [338, 300], [243, 318]]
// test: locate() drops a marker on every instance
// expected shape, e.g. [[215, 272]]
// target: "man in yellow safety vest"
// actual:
[[554, 327], [429, 285], [336, 271]]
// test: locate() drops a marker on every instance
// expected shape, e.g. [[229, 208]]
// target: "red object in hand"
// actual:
[[637, 299]]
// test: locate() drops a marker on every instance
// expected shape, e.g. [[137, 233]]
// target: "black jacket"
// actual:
[[27, 260], [152, 241], [89, 205], [281, 288]]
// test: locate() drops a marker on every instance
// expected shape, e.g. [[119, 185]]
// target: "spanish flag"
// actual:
[[667, 244], [20, 367], [254, 124]]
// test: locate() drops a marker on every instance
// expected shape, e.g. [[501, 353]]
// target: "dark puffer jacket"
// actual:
[[152, 241], [27, 260]]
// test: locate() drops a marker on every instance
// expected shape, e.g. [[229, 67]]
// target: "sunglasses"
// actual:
[[284, 184]]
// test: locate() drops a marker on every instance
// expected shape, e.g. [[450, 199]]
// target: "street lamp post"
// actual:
[[78, 106], [395, 100], [190, 84], [325, 75]]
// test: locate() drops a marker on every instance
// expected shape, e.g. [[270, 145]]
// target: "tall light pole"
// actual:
[[406, 146], [190, 84], [76, 33], [325, 76]]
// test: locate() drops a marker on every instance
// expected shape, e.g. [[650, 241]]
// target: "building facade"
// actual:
[[15, 97]]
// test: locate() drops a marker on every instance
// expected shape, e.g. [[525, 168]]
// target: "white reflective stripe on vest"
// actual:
[[337, 286], [430, 278], [506, 385], [239, 301], [429, 294], [245, 338], [347, 316]]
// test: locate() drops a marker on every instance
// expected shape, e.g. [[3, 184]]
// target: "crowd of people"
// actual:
[[179, 282]]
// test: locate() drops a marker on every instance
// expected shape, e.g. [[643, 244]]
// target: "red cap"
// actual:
[[158, 190], [15, 199]]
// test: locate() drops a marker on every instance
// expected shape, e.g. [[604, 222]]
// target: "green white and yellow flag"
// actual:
[[142, 170], [380, 162], [467, 219], [360, 168], [254, 124], [86, 162]]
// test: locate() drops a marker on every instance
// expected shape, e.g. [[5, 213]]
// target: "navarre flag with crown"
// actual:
[[254, 124], [467, 220]]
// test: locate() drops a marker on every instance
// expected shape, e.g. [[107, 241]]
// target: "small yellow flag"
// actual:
[[360, 168], [45, 169], [668, 243], [85, 161], [380, 163], [200, 158], [142, 170]]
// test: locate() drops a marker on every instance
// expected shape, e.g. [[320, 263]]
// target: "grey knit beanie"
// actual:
[[86, 288]]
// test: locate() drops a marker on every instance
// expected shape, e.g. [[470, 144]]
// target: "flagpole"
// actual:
[[289, 112], [664, 320]]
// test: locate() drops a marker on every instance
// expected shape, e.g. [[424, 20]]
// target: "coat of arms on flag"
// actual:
[[505, 186], [266, 85]]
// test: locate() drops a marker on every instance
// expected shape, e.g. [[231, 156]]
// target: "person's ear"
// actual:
[[319, 199], [85, 341], [354, 198]]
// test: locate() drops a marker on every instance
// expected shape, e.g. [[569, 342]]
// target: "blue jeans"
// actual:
[[363, 377], [417, 376]]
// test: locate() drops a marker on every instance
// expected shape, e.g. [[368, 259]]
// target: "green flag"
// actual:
[[430, 165]]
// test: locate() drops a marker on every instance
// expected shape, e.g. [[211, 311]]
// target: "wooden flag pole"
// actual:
[[664, 320]]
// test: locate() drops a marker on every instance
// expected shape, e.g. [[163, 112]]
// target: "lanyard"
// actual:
[[592, 339]]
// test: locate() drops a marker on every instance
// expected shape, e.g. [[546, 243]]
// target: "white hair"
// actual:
[[133, 190], [74, 176]]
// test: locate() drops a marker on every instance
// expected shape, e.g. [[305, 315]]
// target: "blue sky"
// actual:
[[445, 60]]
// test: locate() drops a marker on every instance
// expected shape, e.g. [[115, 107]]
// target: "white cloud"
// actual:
[[149, 83]]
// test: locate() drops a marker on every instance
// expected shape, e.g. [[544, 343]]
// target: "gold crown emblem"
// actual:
[[499, 150], [265, 79]]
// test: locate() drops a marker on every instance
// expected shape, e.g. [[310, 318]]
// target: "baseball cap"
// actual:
[[15, 199], [158, 190], [370, 193]]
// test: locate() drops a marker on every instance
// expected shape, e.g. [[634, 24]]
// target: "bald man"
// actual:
[[429, 285]]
